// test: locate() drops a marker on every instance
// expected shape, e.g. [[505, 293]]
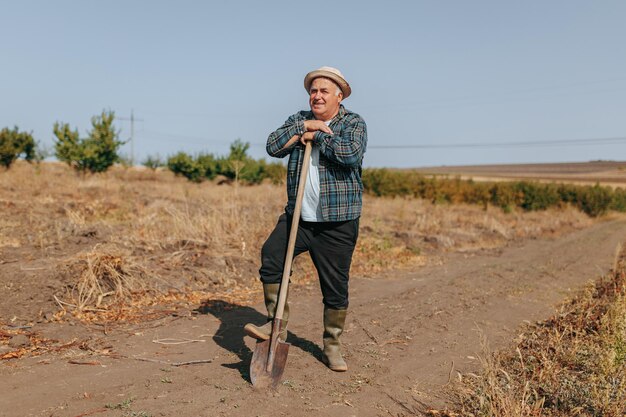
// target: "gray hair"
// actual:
[[337, 88]]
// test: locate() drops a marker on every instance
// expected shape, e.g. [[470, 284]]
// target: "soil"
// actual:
[[408, 335], [609, 173]]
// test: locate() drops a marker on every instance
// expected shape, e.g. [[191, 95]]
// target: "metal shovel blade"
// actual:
[[263, 376]]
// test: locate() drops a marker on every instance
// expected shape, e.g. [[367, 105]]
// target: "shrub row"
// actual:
[[237, 166], [95, 153], [593, 200], [99, 151]]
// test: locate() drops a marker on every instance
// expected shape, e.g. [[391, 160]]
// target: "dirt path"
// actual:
[[406, 335]]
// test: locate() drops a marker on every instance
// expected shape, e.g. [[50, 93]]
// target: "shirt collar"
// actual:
[[342, 112]]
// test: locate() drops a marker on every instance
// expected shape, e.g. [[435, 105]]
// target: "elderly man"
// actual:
[[331, 206]]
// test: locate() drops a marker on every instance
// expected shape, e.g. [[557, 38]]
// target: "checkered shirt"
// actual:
[[341, 157]]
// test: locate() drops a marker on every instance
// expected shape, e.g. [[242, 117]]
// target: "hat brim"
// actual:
[[343, 84]]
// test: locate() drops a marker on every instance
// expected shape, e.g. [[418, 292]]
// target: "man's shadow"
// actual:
[[230, 334]]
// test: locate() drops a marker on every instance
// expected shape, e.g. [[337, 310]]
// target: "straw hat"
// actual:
[[331, 73]]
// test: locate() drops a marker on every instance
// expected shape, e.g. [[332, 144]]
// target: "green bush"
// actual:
[[504, 195], [596, 200], [95, 153], [384, 182], [529, 196], [14, 144], [208, 165], [536, 196], [240, 167], [253, 172], [237, 166], [618, 202], [185, 165], [380, 182], [569, 193], [153, 162]]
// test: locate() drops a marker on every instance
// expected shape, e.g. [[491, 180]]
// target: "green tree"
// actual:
[[238, 158], [95, 153], [208, 165], [183, 164], [68, 147], [14, 144], [153, 162], [596, 200]]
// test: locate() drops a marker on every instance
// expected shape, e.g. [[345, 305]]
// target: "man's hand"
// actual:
[[307, 136], [294, 139], [315, 125]]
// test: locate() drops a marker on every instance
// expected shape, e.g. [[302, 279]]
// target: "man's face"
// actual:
[[322, 99]]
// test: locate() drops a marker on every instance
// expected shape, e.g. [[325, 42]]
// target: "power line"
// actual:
[[531, 143]]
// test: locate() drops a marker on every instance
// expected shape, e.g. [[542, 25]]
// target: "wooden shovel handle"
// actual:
[[293, 233]]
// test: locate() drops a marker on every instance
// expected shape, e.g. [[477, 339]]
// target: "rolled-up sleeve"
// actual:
[[277, 140], [347, 147]]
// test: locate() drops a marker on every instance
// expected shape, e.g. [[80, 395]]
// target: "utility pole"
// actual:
[[132, 134]]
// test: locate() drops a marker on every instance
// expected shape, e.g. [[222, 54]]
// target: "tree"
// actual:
[[68, 147], [183, 164], [13, 144], [238, 157], [153, 162], [95, 153]]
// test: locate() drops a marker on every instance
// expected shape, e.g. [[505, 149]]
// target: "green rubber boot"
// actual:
[[270, 293], [334, 321]]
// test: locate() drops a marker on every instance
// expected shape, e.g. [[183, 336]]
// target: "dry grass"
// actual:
[[573, 364], [104, 276], [398, 232], [130, 237]]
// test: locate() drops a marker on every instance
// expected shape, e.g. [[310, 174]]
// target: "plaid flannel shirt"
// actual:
[[341, 156]]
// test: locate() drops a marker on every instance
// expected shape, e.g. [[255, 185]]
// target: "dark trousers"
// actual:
[[330, 245]]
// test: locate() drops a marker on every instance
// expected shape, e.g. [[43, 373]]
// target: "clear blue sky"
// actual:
[[201, 74]]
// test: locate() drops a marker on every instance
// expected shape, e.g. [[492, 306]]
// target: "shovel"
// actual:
[[270, 356]]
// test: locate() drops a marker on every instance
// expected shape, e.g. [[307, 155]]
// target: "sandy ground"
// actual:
[[407, 335]]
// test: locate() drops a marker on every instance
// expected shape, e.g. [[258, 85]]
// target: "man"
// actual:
[[331, 205]]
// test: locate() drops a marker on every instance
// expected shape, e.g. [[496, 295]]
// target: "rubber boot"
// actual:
[[334, 321], [270, 293]]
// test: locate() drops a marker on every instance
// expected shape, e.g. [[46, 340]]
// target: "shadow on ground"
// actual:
[[230, 334]]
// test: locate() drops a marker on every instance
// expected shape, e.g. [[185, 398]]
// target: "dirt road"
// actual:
[[406, 336]]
